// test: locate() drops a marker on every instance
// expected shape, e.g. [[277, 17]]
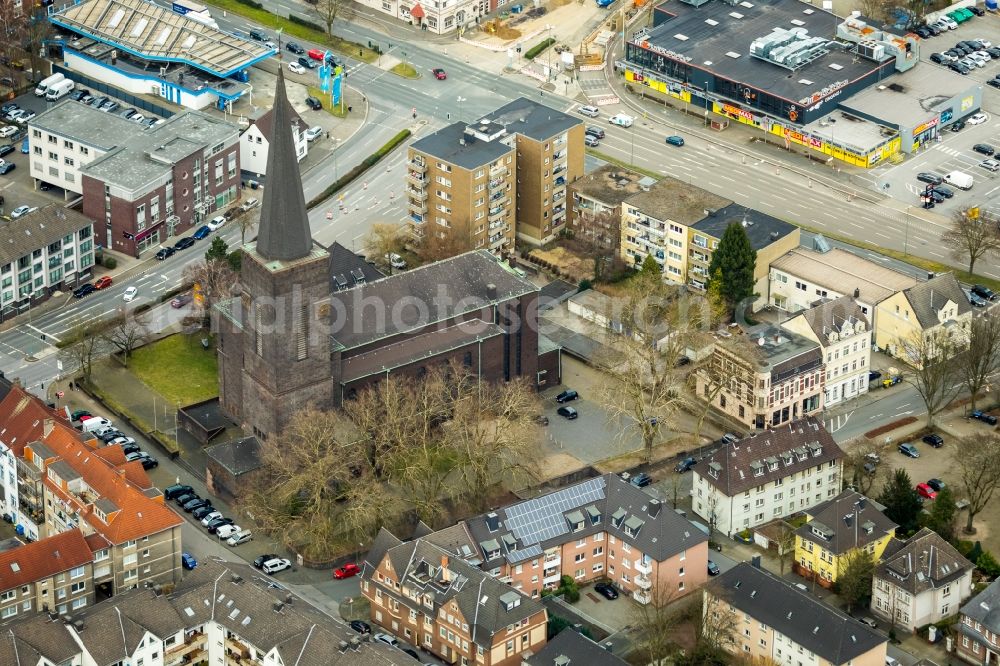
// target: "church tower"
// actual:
[[274, 340]]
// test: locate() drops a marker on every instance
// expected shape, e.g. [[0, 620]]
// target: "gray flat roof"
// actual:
[[451, 144], [843, 129], [85, 124], [706, 36], [762, 229], [37, 230], [532, 119], [911, 98]]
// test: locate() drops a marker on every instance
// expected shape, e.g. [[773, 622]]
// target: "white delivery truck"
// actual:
[[59, 90], [45, 84], [622, 120], [959, 179]]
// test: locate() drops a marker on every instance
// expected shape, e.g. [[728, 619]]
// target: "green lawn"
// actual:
[[178, 368], [340, 110], [406, 70]]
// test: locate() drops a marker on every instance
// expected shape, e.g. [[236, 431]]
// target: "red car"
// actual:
[[439, 74], [925, 490], [347, 571], [103, 282], [315, 54]]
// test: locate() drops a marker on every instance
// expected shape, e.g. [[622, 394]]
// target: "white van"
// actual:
[[622, 120], [959, 179], [43, 86], [95, 423], [59, 90]]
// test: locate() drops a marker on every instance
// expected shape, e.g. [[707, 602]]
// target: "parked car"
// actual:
[[78, 414], [165, 252], [874, 625], [984, 149], [685, 465], [347, 571], [83, 290], [641, 480], [188, 561], [606, 590], [181, 300], [214, 526], [567, 396], [596, 132], [395, 261], [239, 538], [984, 417], [6, 149], [184, 498], [212, 515], [261, 559], [873, 375], [974, 300], [567, 412], [729, 438], [591, 141], [936, 484], [314, 104], [226, 531], [990, 165], [195, 503], [927, 177], [20, 211], [295, 48], [360, 626], [313, 133], [909, 450], [280, 564], [984, 292], [713, 568], [201, 233], [170, 492], [296, 68], [184, 243], [944, 191], [925, 490], [7, 131], [201, 513], [978, 119], [103, 282], [6, 168], [934, 440]]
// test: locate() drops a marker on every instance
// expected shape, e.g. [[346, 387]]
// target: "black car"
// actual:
[[130, 448], [978, 11], [935, 196], [928, 177], [110, 435], [176, 490], [184, 243], [958, 67], [957, 126], [259, 562], [201, 512], [164, 253], [713, 568], [934, 29], [149, 462], [936, 484], [295, 48], [314, 103], [994, 52], [98, 102], [938, 58], [83, 290], [7, 168], [946, 192], [79, 94], [191, 505], [984, 149], [873, 375], [924, 32], [994, 83], [566, 396], [359, 626], [184, 498], [410, 651], [934, 440], [984, 417], [308, 63], [214, 526], [641, 480], [606, 590], [685, 465], [567, 412], [595, 132], [983, 292]]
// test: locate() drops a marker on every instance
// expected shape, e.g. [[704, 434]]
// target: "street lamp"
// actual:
[[460, 100]]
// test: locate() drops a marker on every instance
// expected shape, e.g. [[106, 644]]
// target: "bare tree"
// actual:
[[979, 471], [716, 374], [213, 280], [971, 238], [328, 11], [383, 241], [786, 545], [441, 243], [864, 463], [81, 346], [125, 332], [657, 622], [876, 9], [247, 221], [981, 358], [718, 631], [934, 371]]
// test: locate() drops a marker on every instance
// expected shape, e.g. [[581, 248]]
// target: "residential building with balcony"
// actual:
[[764, 619], [550, 156], [843, 333], [48, 250], [979, 628], [461, 188], [920, 581], [773, 376], [55, 574], [836, 531], [935, 312], [767, 475], [595, 214], [426, 596], [769, 237]]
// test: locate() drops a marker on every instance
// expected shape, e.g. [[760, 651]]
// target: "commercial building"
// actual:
[[764, 377], [426, 596], [55, 574], [256, 139], [935, 311], [762, 617], [843, 333], [595, 214], [838, 530], [979, 627], [48, 250], [767, 475], [147, 49], [920, 581], [438, 18]]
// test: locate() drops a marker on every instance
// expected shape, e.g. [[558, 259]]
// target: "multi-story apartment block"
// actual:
[[843, 334], [222, 614], [767, 475], [55, 575], [571, 647], [768, 236], [835, 531], [427, 596], [461, 187], [135, 537], [935, 311], [768, 377], [979, 628], [761, 618], [595, 213], [920, 581], [163, 182], [50, 249]]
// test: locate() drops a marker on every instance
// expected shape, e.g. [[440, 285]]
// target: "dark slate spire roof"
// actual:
[[284, 233]]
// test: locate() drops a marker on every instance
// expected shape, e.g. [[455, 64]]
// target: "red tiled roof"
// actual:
[[44, 558], [417, 11], [96, 542], [22, 418]]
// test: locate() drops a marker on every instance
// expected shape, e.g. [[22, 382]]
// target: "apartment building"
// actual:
[[51, 575], [255, 141], [48, 250], [979, 627], [843, 333], [595, 214], [65, 483], [936, 311], [769, 237], [836, 530], [767, 475], [763, 377], [806, 275], [461, 188], [761, 618], [550, 155], [222, 614], [571, 647], [426, 596], [166, 181], [920, 581]]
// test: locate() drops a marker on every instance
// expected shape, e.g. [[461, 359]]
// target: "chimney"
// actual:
[[755, 561], [48, 427], [491, 291], [857, 292], [930, 275], [78, 625], [445, 572]]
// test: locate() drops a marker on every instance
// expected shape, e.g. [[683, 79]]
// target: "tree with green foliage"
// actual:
[[733, 262], [902, 504], [650, 267], [235, 260], [854, 581], [988, 564], [941, 518], [218, 250]]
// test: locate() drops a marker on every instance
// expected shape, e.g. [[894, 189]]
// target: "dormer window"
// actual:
[[633, 525], [618, 517], [757, 467], [594, 514], [491, 549], [772, 463], [714, 469], [575, 520]]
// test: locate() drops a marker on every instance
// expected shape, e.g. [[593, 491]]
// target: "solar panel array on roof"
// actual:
[[517, 556], [541, 519]]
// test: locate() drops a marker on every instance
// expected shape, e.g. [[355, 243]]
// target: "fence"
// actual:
[[102, 88]]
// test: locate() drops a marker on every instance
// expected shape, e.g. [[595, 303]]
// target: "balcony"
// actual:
[[560, 181], [195, 641], [552, 561], [643, 582], [642, 568], [413, 193], [197, 656], [497, 216], [642, 596], [416, 179], [553, 577], [418, 207], [699, 257], [498, 171], [417, 165]]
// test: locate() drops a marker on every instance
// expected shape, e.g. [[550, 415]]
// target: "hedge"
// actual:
[[251, 3], [538, 48], [295, 19], [356, 171]]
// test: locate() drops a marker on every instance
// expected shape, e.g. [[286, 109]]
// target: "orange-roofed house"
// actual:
[[54, 574]]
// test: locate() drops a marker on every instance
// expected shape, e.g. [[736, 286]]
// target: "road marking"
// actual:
[[882, 235], [41, 332]]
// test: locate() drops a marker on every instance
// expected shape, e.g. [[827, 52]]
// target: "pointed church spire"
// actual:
[[284, 223]]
